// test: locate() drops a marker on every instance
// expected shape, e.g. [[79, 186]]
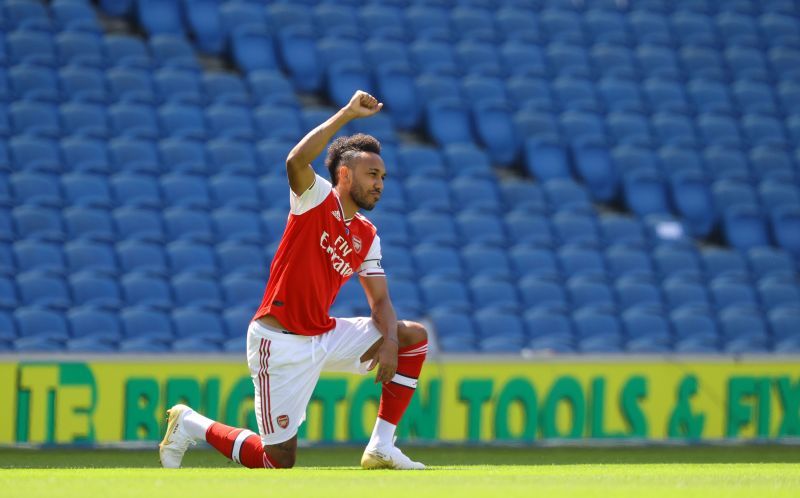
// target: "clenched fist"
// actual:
[[362, 105]]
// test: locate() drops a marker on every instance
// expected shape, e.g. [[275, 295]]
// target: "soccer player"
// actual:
[[292, 338]]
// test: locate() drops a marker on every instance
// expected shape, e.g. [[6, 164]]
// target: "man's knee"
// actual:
[[411, 333], [282, 455]]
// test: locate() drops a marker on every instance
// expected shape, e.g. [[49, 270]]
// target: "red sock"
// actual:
[[240, 445], [397, 394]]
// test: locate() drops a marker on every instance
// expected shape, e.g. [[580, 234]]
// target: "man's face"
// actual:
[[367, 172]]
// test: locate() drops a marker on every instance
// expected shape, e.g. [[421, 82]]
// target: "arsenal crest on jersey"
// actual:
[[356, 243], [283, 421]]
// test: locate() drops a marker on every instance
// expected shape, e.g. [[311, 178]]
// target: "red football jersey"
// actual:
[[318, 252]]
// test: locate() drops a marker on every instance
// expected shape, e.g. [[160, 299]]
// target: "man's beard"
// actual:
[[362, 198]]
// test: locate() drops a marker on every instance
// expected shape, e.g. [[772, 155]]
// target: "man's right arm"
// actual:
[[298, 162]]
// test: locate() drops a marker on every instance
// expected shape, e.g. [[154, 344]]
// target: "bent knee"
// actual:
[[412, 333]]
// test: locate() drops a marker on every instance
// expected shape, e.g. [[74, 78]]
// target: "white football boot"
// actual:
[[176, 440], [388, 457]]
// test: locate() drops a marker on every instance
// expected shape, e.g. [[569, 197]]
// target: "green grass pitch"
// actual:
[[716, 472]]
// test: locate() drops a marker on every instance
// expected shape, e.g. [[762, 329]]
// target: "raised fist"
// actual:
[[363, 104]]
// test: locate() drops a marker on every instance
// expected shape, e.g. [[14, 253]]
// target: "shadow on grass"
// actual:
[[349, 457]]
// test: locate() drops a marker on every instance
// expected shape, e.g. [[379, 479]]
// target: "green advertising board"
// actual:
[[457, 401]]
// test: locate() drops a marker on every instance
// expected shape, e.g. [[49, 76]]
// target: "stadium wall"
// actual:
[[113, 399]]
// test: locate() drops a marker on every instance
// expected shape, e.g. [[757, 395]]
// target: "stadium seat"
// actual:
[[185, 255], [771, 161], [434, 259], [523, 226], [159, 17], [645, 193], [225, 88], [95, 289], [232, 156], [230, 121], [444, 291], [297, 50], [783, 324], [236, 190], [665, 95], [455, 331], [576, 260], [627, 260], [142, 288], [173, 51], [432, 227], [188, 190], [43, 288], [647, 332], [563, 194], [40, 329], [546, 159], [621, 229], [488, 291], [134, 155], [597, 331], [138, 222], [785, 222], [145, 330], [90, 255], [93, 329], [745, 227], [718, 262], [204, 23], [769, 261], [743, 331], [636, 291], [124, 50], [685, 292], [775, 292], [690, 194], [33, 254], [37, 221], [448, 122], [184, 121], [35, 188], [549, 331], [88, 155], [575, 228], [732, 292], [197, 290], [480, 260], [589, 292], [141, 255]]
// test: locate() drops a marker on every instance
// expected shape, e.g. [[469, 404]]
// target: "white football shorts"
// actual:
[[286, 367]]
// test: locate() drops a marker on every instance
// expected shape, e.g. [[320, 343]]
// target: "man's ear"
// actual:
[[344, 173]]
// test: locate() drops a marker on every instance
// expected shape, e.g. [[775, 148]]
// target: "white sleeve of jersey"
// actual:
[[311, 198], [371, 267]]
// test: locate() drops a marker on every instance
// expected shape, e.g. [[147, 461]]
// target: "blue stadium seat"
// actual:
[[81, 48], [125, 50], [34, 118], [178, 85], [561, 25], [665, 94], [549, 331], [397, 89], [775, 292], [529, 259], [494, 128], [546, 158], [718, 129], [146, 289], [183, 155], [241, 258], [136, 189], [30, 81], [432, 227], [233, 156], [589, 292], [226, 88], [718, 262], [621, 229], [186, 255], [647, 332], [237, 224], [145, 330], [577, 94], [679, 158], [31, 47], [447, 122], [754, 97], [768, 261], [33, 254], [131, 84], [173, 51], [597, 331], [743, 331], [133, 120], [433, 87], [636, 291], [737, 30], [645, 193], [620, 94], [771, 161], [673, 128], [43, 288], [141, 255], [692, 199], [523, 226], [434, 259], [282, 123], [37, 221], [685, 292], [498, 331], [444, 291], [763, 130], [744, 227], [730, 193], [82, 154], [473, 22], [785, 224], [243, 289], [732, 292], [203, 22], [477, 226], [185, 223], [272, 156], [783, 324], [478, 57], [40, 329], [83, 84], [485, 260], [724, 162], [157, 17], [274, 192], [197, 290], [270, 86], [671, 260], [455, 331], [490, 291], [627, 260], [180, 189], [566, 194], [380, 126], [230, 121], [517, 23], [35, 188], [135, 222], [424, 20], [235, 14], [628, 127], [774, 193], [252, 48], [425, 192], [657, 61], [577, 260], [695, 331], [90, 255], [789, 96], [702, 62], [297, 49], [568, 59], [180, 120], [89, 222], [236, 190], [134, 155], [575, 228], [84, 119], [650, 26], [94, 329], [95, 289]]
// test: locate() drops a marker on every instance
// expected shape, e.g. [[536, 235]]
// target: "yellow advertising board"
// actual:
[[643, 399]]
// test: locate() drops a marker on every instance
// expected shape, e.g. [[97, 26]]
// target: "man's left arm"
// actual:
[[377, 291]]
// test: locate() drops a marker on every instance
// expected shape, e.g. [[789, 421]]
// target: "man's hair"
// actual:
[[343, 149]]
